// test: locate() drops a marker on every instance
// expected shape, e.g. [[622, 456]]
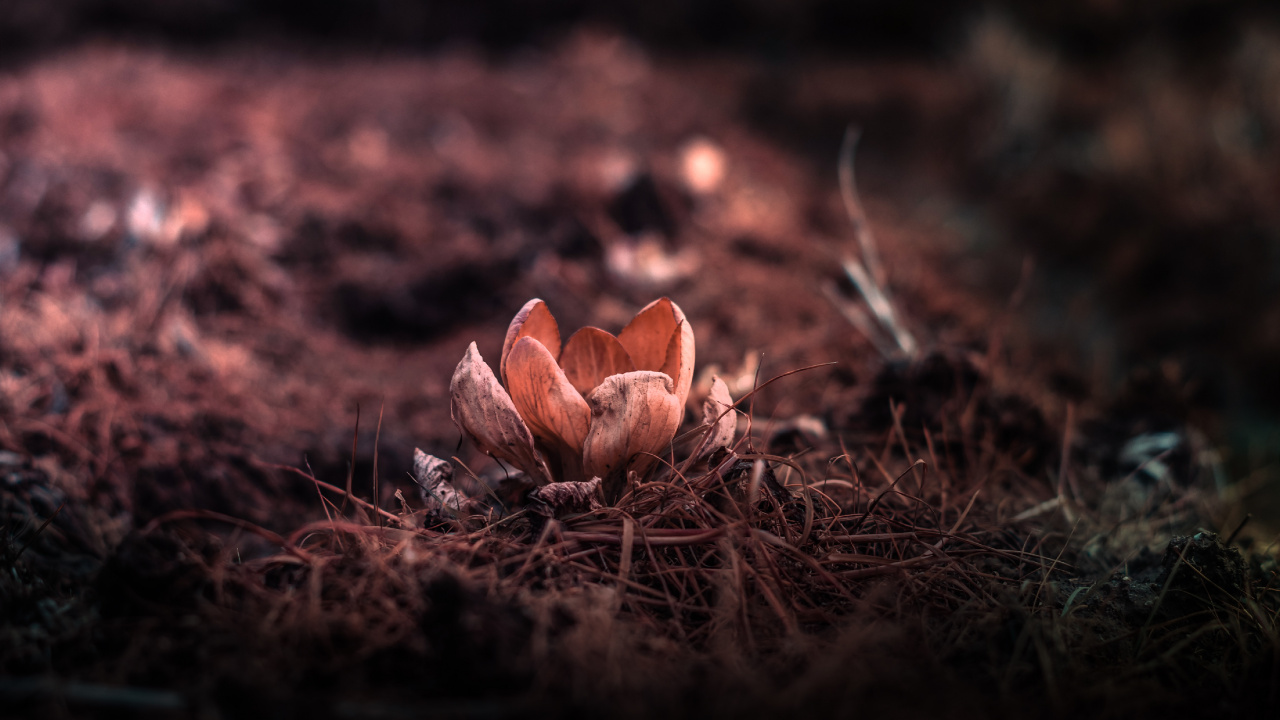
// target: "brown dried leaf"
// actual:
[[717, 412], [534, 320], [561, 498], [634, 416], [434, 477], [590, 356], [483, 410], [556, 412], [429, 470]]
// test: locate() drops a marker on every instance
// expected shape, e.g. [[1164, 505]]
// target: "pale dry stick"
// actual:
[[859, 319], [852, 205], [868, 275], [753, 485], [880, 305]]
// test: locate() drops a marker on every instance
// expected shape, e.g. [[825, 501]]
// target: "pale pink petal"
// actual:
[[483, 410], [590, 356], [536, 321]]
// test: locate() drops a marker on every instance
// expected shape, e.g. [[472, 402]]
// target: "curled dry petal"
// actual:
[[659, 338], [634, 416], [555, 412], [483, 410], [717, 411], [590, 356], [434, 477], [536, 321], [429, 470]]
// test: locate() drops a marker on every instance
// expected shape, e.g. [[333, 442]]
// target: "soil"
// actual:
[[230, 275]]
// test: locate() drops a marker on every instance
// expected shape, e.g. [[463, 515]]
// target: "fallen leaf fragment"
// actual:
[[717, 411], [562, 498], [434, 478]]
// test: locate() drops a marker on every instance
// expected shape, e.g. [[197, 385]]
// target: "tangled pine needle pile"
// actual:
[[721, 567], [697, 534]]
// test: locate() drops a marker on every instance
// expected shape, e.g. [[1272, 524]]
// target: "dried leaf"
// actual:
[[717, 412], [483, 410], [534, 320], [429, 470], [634, 416], [434, 477], [562, 498], [590, 356], [556, 413]]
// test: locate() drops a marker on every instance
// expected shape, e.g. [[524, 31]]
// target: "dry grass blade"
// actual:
[[867, 275]]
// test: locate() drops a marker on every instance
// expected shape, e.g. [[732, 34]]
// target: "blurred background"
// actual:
[[1127, 152]]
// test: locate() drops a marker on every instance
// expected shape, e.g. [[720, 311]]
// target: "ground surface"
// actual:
[[209, 261]]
